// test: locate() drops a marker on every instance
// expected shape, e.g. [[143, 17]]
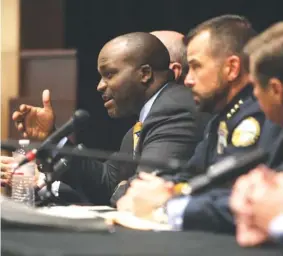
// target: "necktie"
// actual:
[[136, 134]]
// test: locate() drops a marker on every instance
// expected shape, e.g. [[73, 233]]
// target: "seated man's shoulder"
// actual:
[[177, 92], [173, 100]]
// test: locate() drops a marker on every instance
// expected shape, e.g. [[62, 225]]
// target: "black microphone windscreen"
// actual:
[[81, 116]]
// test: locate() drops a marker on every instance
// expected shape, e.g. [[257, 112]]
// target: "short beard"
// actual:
[[211, 103]]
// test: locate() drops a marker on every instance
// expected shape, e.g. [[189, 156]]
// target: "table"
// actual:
[[26, 231], [125, 242]]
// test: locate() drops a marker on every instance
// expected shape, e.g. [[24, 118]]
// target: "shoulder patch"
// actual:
[[246, 133]]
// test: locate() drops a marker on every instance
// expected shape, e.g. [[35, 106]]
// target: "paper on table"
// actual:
[[97, 208], [127, 219], [16, 215], [73, 211]]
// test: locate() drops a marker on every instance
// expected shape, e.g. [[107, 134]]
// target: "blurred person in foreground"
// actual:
[[257, 197], [219, 78]]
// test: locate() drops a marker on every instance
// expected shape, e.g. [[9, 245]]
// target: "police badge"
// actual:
[[222, 137]]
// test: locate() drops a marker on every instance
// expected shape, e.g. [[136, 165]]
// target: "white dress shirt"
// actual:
[[275, 228], [175, 209], [147, 106]]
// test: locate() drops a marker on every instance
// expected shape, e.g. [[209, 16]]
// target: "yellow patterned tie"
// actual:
[[136, 134]]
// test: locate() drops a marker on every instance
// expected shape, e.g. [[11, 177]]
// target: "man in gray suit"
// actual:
[[135, 80]]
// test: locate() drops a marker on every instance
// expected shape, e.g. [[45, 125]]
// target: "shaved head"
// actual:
[[177, 50], [174, 43]]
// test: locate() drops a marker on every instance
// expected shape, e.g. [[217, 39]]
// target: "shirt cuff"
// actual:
[[55, 188], [275, 228], [175, 210]]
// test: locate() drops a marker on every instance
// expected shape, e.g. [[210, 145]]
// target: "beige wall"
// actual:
[[10, 36]]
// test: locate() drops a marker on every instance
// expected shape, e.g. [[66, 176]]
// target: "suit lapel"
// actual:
[[147, 121]]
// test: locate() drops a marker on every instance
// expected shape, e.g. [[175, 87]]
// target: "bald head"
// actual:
[[139, 48], [174, 43], [177, 50]]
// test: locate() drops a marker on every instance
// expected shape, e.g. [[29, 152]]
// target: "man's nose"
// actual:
[[189, 81], [101, 86]]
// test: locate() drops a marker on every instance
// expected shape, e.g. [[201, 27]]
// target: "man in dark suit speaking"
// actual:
[[135, 80]]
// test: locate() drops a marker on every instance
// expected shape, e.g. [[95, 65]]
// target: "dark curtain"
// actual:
[[89, 24]]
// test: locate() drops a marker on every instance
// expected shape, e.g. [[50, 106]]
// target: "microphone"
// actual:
[[60, 167], [223, 171], [78, 119]]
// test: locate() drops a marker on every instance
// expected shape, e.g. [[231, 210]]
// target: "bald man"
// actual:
[[135, 81], [177, 50]]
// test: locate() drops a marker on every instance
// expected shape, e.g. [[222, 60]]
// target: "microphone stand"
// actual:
[[47, 168]]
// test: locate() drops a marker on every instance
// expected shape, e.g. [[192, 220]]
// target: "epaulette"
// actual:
[[235, 109]]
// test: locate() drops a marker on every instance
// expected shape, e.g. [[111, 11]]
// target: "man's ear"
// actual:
[[177, 69], [146, 73], [233, 67], [277, 88]]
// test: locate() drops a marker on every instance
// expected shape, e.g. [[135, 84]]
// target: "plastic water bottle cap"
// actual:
[[24, 142]]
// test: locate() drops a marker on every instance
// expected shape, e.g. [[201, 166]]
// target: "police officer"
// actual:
[[219, 78]]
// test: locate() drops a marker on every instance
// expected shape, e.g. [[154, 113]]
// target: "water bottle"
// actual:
[[24, 177]]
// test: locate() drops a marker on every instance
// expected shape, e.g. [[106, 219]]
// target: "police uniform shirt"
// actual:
[[238, 128]]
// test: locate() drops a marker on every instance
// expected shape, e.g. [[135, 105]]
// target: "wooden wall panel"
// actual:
[[10, 27], [55, 70]]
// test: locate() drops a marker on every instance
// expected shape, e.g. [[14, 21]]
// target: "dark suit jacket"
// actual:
[[172, 129]]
